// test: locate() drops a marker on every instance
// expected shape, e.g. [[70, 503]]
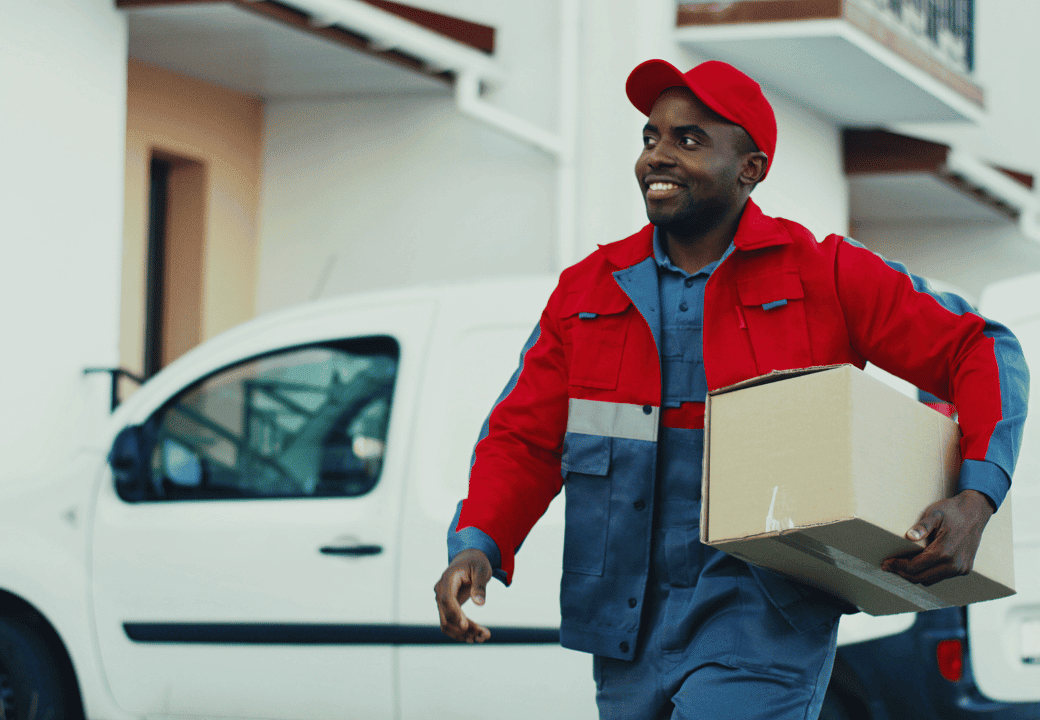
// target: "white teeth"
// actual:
[[662, 186]]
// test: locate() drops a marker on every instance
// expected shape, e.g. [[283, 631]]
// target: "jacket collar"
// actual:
[[756, 230]]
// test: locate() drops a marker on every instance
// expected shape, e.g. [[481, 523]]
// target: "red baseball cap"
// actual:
[[720, 86]]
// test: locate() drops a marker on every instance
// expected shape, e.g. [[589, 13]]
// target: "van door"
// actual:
[[522, 672], [250, 571], [1004, 635]]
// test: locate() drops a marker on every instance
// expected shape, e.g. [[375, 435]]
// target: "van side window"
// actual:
[[307, 422]]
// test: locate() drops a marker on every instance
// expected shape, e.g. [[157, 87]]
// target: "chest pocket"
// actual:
[[598, 324], [773, 308]]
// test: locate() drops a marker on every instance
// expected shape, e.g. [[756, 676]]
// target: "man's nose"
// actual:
[[661, 154]]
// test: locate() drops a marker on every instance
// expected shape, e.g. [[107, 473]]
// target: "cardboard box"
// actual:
[[818, 474]]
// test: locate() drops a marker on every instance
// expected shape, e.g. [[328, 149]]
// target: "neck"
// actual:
[[692, 252]]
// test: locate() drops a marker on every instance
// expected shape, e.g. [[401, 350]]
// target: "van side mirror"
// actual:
[[129, 461]]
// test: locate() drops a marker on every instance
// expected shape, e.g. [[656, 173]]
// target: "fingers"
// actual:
[[450, 596], [464, 578], [953, 537], [478, 633], [928, 566], [900, 563], [449, 601]]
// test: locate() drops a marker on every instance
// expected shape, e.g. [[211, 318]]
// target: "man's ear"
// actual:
[[753, 168]]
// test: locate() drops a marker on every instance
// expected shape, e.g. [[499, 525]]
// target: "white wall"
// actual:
[[373, 192], [526, 46], [968, 255], [62, 137], [616, 36], [807, 181], [380, 192]]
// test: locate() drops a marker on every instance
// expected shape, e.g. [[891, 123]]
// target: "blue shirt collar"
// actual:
[[665, 263]]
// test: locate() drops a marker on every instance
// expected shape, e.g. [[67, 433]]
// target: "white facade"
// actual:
[[392, 189], [62, 139], [383, 191], [389, 189], [806, 182], [973, 254]]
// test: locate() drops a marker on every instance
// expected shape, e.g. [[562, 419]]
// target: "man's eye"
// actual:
[[688, 141], [647, 141]]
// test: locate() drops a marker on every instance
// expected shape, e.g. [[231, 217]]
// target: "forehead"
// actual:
[[678, 106]]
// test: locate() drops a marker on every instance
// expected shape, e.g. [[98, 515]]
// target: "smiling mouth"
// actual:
[[662, 191]]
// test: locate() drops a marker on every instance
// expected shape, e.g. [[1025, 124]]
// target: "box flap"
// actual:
[[774, 376]]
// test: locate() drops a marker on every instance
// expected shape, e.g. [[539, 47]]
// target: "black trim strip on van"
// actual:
[[322, 634]]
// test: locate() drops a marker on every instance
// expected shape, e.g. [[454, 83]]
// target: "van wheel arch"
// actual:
[[18, 614]]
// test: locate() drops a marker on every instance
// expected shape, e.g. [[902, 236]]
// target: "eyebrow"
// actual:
[[680, 130]]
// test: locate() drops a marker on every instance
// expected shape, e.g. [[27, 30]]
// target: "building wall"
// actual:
[[63, 90], [216, 137], [968, 255], [380, 192], [972, 254], [807, 180], [526, 44]]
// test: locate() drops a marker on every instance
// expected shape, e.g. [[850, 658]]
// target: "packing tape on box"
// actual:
[[851, 564]]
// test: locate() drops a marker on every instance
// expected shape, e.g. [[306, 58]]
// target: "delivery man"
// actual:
[[608, 404]]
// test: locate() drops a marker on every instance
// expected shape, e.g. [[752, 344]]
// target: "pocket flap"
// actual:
[[600, 300], [585, 454], [766, 289]]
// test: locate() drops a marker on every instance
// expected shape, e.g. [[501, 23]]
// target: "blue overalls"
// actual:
[[713, 646]]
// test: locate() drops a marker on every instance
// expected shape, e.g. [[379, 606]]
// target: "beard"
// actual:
[[692, 219]]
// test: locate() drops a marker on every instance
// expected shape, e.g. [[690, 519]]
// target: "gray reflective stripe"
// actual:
[[619, 420]]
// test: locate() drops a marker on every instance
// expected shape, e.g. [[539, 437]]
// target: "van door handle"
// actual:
[[353, 550]]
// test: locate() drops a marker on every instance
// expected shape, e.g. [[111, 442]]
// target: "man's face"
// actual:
[[690, 165]]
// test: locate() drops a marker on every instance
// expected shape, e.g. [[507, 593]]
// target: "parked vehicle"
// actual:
[[257, 531]]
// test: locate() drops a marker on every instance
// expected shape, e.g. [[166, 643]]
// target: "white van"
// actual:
[[257, 532]]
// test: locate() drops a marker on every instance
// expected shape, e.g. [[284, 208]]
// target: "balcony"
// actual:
[[863, 63], [901, 178], [310, 48]]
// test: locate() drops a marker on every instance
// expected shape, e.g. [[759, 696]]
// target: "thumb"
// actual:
[[924, 527], [479, 590], [480, 575]]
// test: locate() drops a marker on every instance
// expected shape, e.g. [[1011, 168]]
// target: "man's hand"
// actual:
[[467, 577], [953, 529]]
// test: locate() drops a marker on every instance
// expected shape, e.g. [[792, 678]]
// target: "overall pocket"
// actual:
[[805, 608], [774, 310], [586, 466]]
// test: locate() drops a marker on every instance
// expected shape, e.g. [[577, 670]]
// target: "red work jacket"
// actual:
[[587, 396]]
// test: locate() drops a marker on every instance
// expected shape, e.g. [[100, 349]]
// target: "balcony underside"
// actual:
[[276, 51], [896, 177], [845, 65], [916, 196]]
